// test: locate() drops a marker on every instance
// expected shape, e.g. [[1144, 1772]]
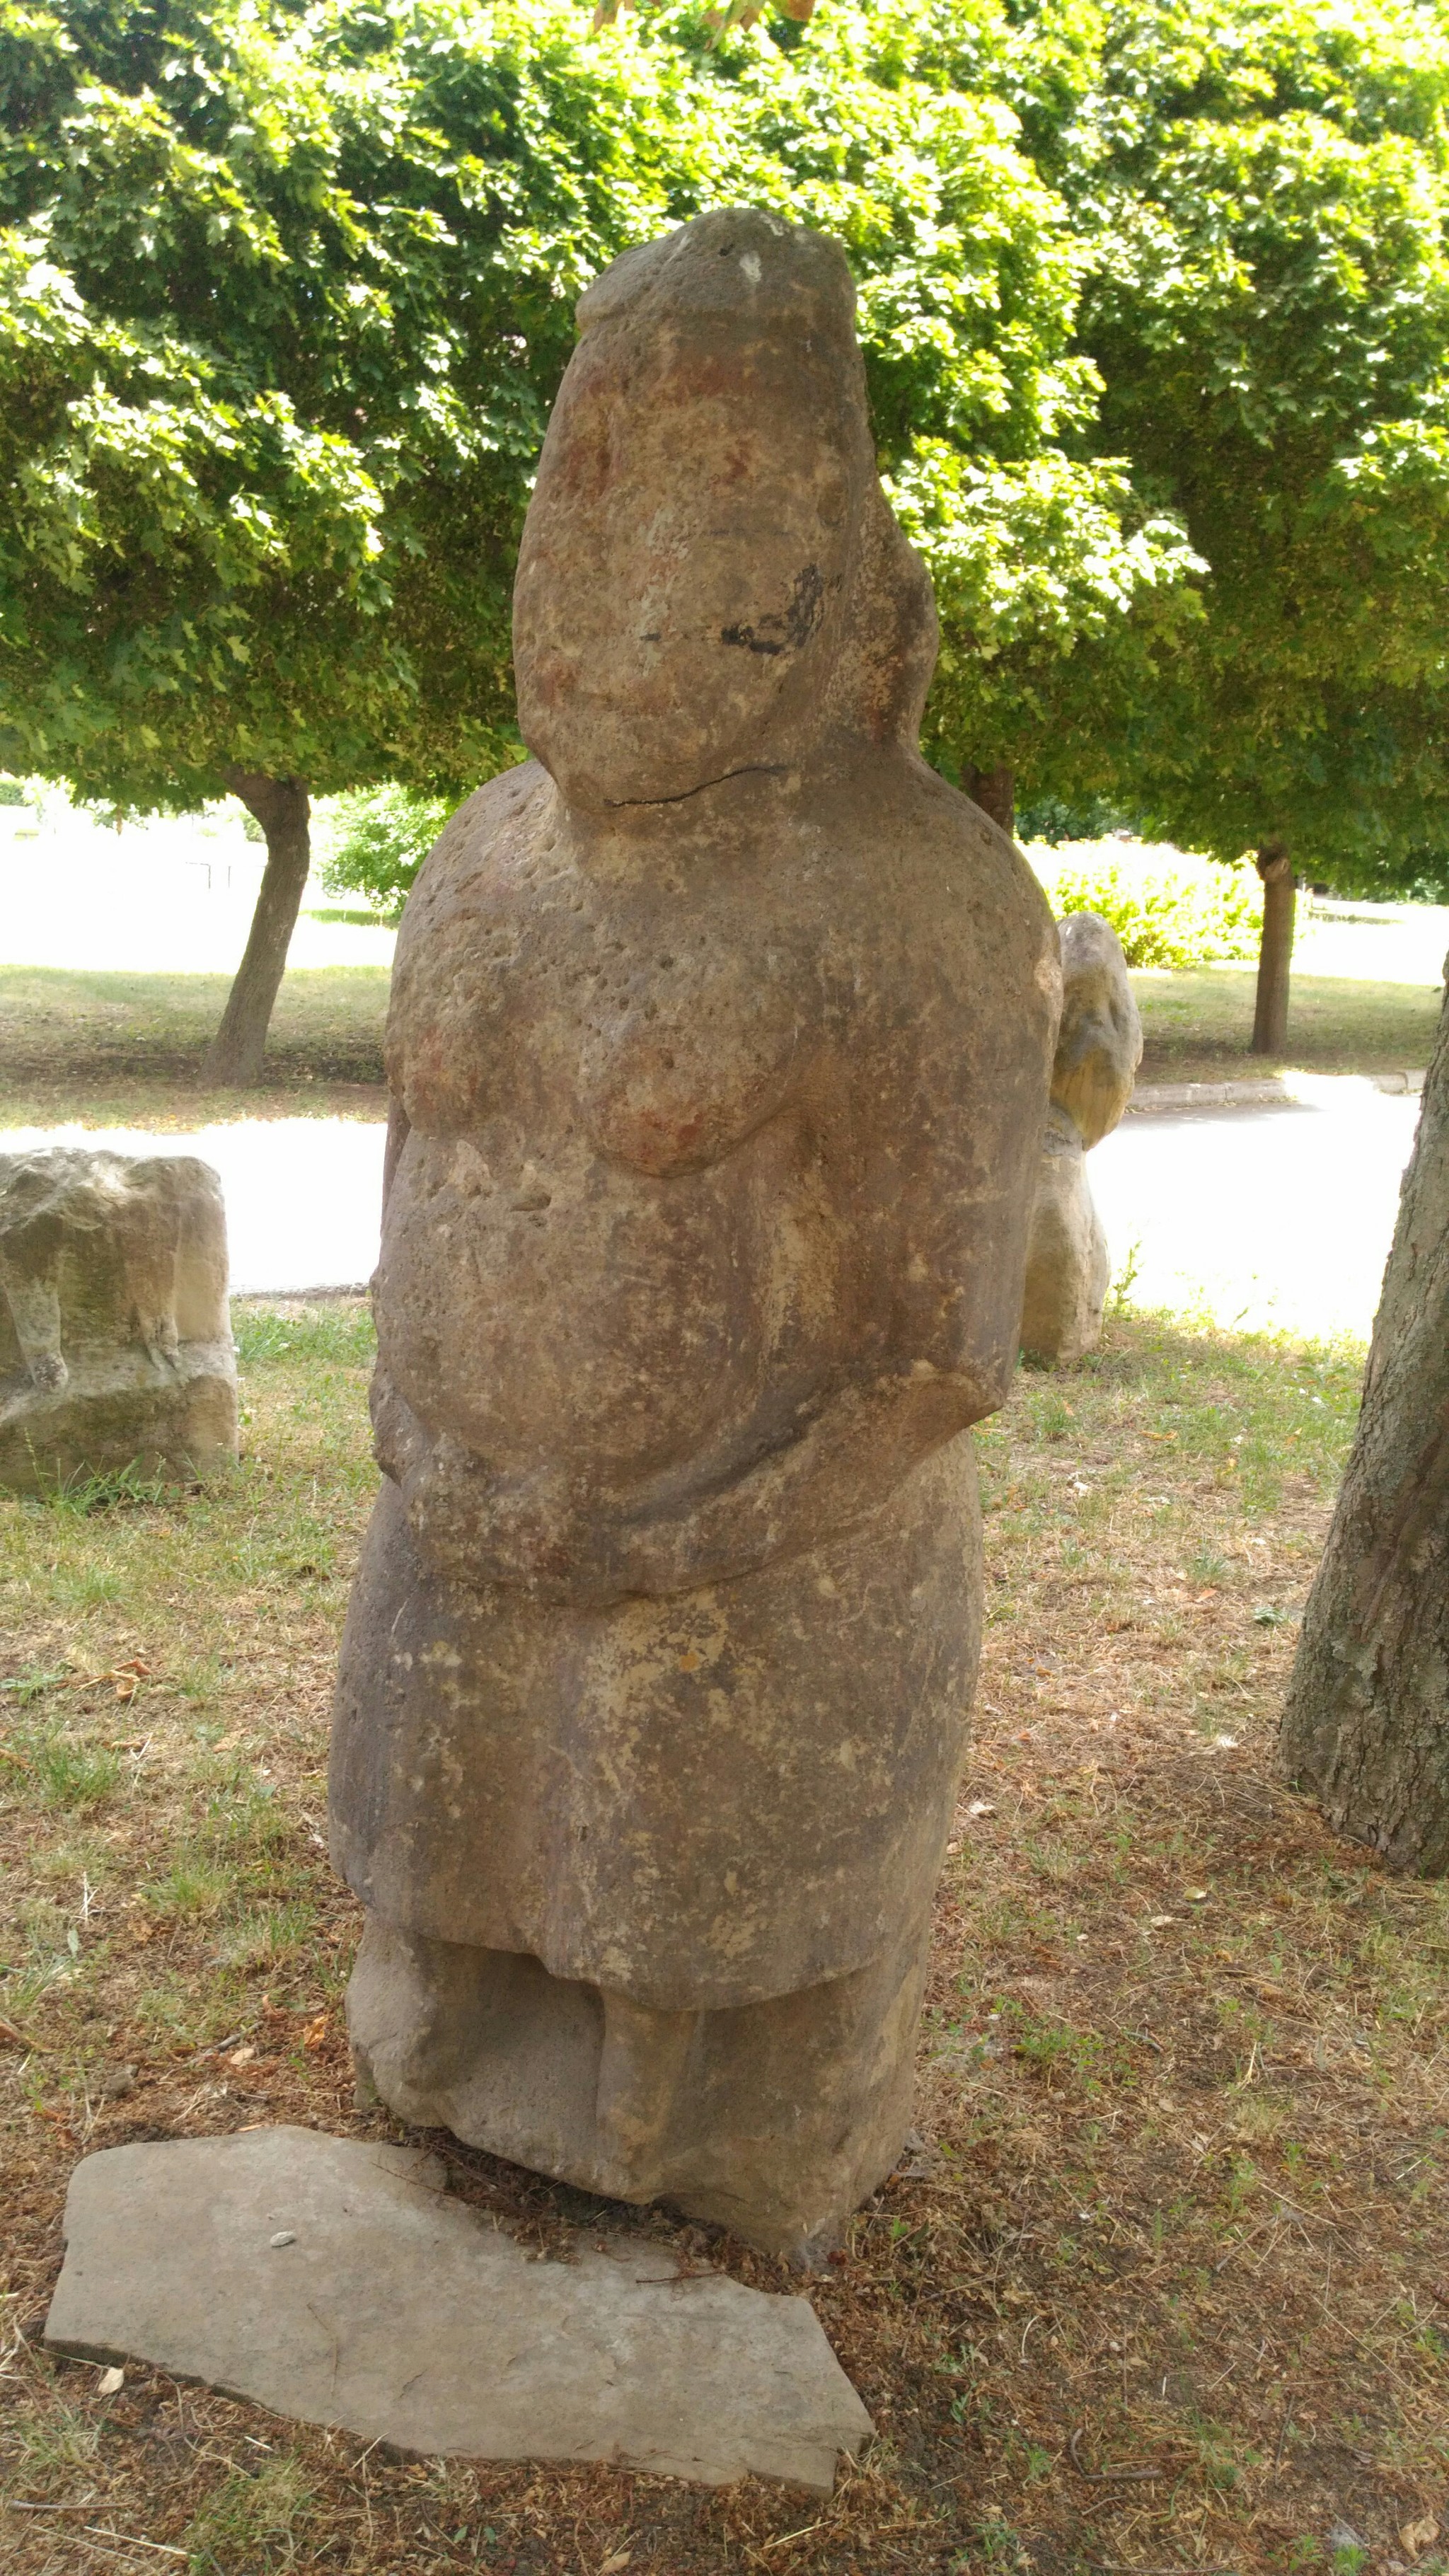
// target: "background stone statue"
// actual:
[[719, 1045], [115, 1340], [1098, 1052]]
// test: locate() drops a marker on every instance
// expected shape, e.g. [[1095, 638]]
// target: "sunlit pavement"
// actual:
[[1254, 1217], [1260, 1218], [302, 1194]]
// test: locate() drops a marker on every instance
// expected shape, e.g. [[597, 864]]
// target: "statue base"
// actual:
[[774, 2119]]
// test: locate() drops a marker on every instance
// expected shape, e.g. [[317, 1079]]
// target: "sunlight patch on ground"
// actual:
[[1260, 1219], [303, 1195]]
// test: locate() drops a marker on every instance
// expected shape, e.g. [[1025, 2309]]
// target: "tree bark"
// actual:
[[282, 808], [1275, 952], [994, 790], [1366, 1723]]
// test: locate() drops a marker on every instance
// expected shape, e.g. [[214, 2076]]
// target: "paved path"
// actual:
[[1261, 1217], [302, 1194], [164, 897], [1255, 1216]]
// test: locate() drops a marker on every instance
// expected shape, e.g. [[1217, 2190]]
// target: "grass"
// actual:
[[1163, 2282], [125, 1050], [1196, 1026]]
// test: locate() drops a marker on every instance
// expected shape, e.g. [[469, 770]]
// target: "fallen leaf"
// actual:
[[111, 2381], [242, 2056], [617, 2559], [981, 1807], [1160, 1922], [1416, 2537], [1196, 1895], [315, 2032], [125, 1685]]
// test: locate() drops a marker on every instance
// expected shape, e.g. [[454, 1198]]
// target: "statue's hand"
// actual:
[[531, 1531], [535, 1531]]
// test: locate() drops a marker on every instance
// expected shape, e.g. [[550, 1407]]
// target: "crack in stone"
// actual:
[[751, 769]]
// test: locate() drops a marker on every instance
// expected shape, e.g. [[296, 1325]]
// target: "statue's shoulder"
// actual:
[[953, 883], [500, 819], [493, 814]]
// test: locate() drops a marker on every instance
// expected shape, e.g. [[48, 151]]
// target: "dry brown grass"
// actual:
[[1165, 2283], [125, 1050]]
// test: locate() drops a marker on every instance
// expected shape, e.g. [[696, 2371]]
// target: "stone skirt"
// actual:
[[695, 1802]]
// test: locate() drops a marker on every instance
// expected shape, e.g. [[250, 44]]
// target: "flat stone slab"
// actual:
[[335, 2281]]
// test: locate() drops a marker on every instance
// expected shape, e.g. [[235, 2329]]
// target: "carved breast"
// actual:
[[609, 1173], [667, 1023]]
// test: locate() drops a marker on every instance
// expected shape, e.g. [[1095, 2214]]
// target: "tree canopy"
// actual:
[[285, 297], [1153, 302], [1267, 186]]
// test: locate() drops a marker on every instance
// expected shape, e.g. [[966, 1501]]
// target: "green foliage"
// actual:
[[1053, 819], [86, 1490], [64, 1770], [1059, 597], [251, 2522], [284, 301], [1261, 186], [341, 1336], [1166, 908], [380, 837]]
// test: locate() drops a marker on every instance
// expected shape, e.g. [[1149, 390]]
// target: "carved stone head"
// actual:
[[710, 580]]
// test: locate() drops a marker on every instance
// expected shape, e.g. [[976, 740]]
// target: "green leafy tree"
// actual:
[[284, 301], [380, 837], [1264, 182], [279, 325]]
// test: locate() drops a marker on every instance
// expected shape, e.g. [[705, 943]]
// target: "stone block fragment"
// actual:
[[115, 1339], [333, 2280], [1099, 1047]]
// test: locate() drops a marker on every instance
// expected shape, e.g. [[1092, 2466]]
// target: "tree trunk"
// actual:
[[1275, 953], [994, 790], [282, 809], [1366, 1724]]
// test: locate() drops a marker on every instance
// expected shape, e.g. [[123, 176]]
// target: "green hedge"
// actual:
[[1167, 908]]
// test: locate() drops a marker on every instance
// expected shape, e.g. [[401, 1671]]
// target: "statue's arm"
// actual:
[[704, 1522], [835, 1474], [399, 1128]]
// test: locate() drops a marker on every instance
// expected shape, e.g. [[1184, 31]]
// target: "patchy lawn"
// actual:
[[1196, 1026], [1163, 2284], [125, 1050]]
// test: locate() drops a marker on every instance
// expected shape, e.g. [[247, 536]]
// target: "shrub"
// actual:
[[379, 838], [1167, 908]]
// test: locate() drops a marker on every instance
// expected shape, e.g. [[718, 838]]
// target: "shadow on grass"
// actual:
[[126, 1050]]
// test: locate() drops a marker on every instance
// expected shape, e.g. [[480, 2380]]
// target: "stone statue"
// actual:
[[719, 1047], [115, 1341], [1098, 1053]]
